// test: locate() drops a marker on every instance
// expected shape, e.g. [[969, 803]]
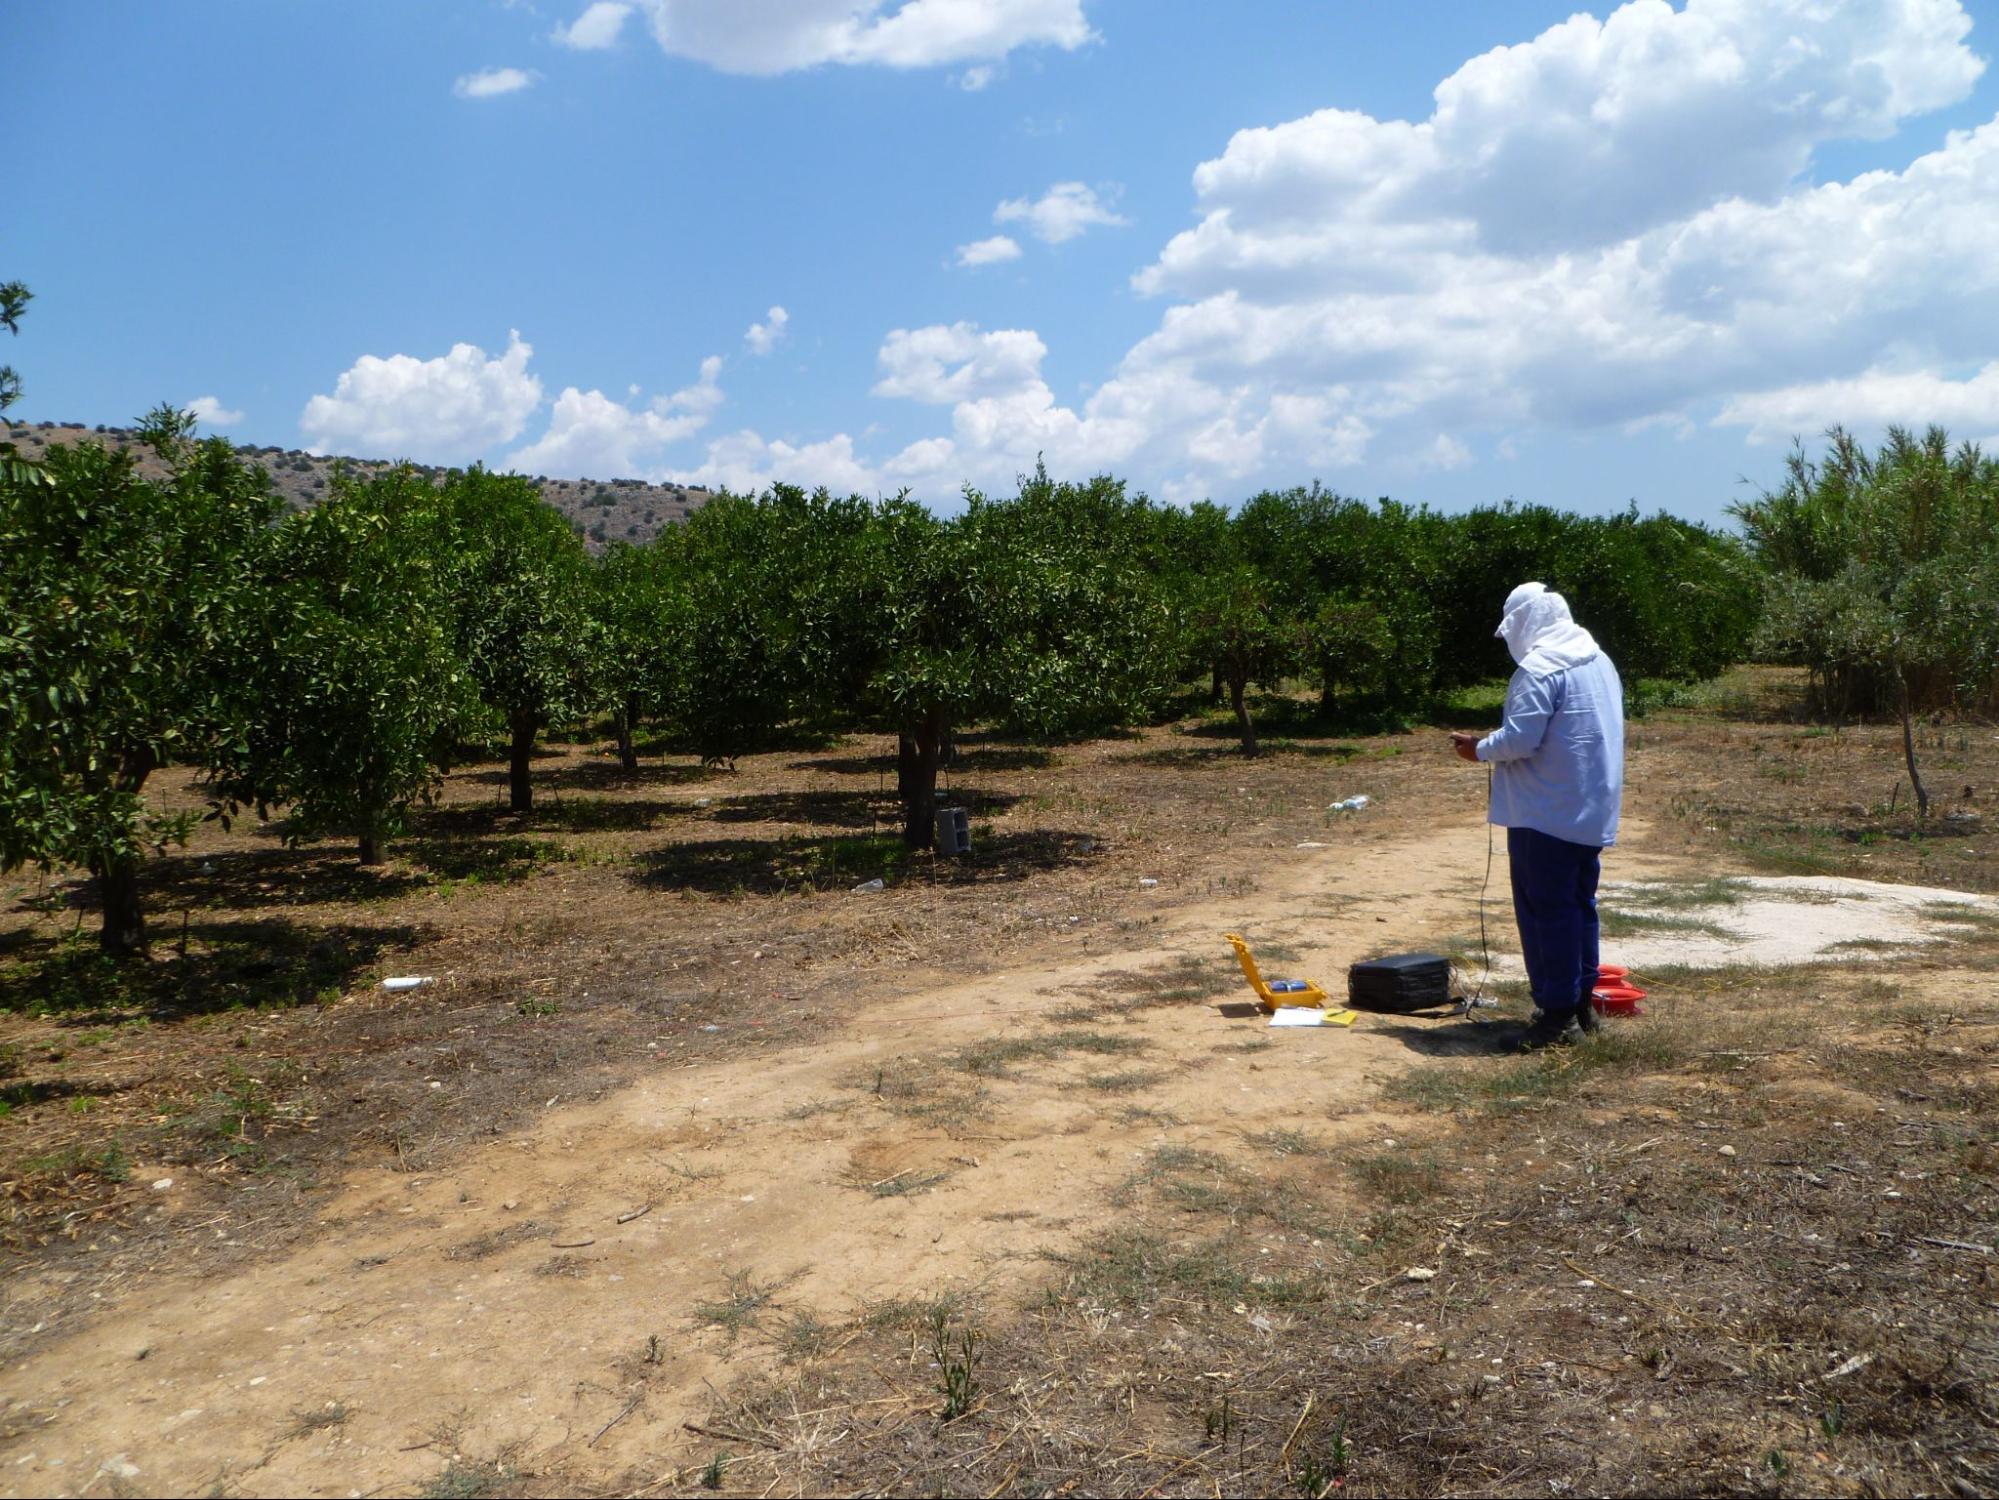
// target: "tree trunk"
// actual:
[[628, 757], [1215, 687], [124, 932], [1909, 750], [905, 769], [520, 787], [1236, 687], [369, 844], [919, 785]]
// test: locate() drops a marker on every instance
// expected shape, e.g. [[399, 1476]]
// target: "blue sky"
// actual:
[[1209, 248]]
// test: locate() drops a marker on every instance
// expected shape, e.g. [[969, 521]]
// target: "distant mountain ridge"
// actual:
[[603, 510]]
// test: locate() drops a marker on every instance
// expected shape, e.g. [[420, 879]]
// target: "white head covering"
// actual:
[[1540, 632]]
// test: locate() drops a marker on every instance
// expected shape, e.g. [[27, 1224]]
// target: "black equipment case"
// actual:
[[1400, 982]]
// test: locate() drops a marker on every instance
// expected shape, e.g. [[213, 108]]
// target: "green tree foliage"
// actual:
[[1248, 631], [520, 583], [14, 469], [639, 632], [14, 300], [1667, 598], [1353, 646], [1019, 612], [771, 603], [1884, 576], [356, 695], [122, 602]]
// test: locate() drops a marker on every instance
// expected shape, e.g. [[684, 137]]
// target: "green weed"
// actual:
[[743, 1306], [957, 1362]]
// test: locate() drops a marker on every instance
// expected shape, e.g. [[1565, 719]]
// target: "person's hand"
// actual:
[[1465, 744]]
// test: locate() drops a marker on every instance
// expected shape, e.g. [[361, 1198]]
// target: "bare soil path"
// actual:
[[942, 1137]]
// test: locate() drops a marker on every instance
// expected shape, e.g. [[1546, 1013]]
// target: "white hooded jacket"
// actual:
[[1558, 760], [1540, 632]]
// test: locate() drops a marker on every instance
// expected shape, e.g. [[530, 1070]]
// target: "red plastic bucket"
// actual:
[[1611, 973], [1617, 1000]]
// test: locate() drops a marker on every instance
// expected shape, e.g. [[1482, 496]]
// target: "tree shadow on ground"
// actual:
[[604, 775], [771, 866], [259, 964], [797, 739], [464, 820], [25, 1095], [970, 759], [244, 879], [854, 810]]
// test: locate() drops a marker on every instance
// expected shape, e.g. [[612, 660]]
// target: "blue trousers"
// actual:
[[1554, 901]]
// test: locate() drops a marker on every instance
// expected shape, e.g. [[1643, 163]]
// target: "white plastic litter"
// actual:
[[407, 981], [1297, 1015], [868, 885], [1146, 882], [1349, 804]]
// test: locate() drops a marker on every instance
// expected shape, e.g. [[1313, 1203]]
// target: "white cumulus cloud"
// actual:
[[210, 412], [596, 28], [1065, 211], [989, 252], [1870, 401], [763, 337], [943, 364], [592, 436], [490, 83], [1622, 223], [451, 409], [780, 36]]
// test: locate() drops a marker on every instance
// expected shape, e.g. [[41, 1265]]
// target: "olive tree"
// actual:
[[123, 601]]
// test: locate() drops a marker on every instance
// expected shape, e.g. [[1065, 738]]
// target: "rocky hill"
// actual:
[[604, 510]]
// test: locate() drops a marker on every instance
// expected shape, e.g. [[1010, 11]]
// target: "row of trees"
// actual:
[[333, 661], [1883, 574]]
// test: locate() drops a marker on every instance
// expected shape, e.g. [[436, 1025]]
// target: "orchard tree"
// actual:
[[1020, 612], [638, 629], [520, 582], [776, 615], [357, 695], [1239, 623], [1884, 577], [123, 601]]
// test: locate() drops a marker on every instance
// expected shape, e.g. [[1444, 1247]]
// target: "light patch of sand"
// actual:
[[1793, 919]]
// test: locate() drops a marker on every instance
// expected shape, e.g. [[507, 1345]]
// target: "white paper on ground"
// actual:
[[405, 981], [1297, 1015]]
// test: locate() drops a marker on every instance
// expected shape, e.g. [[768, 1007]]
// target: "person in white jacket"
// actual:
[[1557, 788]]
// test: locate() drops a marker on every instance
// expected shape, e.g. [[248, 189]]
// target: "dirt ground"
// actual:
[[696, 1169]]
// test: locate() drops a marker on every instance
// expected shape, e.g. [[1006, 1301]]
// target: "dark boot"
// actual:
[[1548, 1031]]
